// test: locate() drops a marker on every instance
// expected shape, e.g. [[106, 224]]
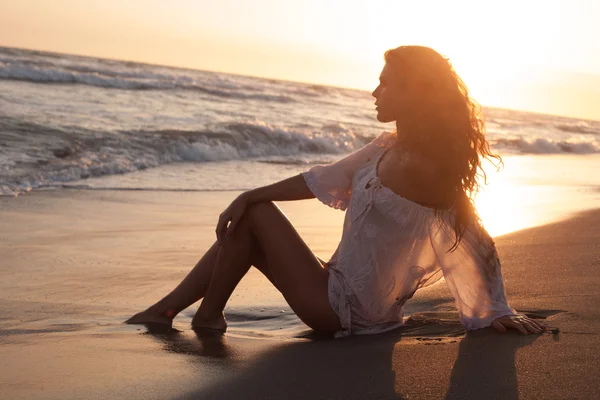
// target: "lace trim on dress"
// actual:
[[325, 197], [392, 246]]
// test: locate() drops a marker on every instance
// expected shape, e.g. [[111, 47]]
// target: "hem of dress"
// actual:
[[380, 328], [342, 309]]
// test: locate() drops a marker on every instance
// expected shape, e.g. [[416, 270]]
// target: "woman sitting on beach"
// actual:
[[410, 220]]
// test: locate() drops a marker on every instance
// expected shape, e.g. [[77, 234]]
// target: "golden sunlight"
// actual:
[[496, 57], [521, 195], [505, 207], [501, 50], [507, 203]]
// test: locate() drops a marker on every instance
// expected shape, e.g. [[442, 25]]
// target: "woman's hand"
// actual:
[[232, 214], [520, 322]]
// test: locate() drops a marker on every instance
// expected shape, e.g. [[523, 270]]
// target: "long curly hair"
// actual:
[[444, 125]]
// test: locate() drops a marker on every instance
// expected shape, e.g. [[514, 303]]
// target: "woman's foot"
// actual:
[[152, 315], [202, 324]]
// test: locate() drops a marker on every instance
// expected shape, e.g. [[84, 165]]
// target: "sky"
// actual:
[[534, 55]]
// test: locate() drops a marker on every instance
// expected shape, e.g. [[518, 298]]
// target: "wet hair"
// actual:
[[444, 125]]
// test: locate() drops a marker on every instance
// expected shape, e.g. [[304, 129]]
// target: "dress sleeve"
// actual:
[[332, 183], [473, 275]]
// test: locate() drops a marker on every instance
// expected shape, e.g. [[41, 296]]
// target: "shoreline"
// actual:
[[75, 264]]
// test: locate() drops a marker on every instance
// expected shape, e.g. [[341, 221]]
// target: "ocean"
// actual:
[[98, 124], [112, 176]]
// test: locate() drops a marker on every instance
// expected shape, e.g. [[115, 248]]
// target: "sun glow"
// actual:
[[495, 49], [533, 191], [505, 207], [513, 54]]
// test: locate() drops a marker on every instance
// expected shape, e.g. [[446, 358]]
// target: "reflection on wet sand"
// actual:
[[364, 366]]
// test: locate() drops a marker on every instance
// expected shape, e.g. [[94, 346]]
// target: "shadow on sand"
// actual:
[[394, 365]]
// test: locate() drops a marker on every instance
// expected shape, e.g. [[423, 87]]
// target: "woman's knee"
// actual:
[[261, 213], [260, 209], [240, 231]]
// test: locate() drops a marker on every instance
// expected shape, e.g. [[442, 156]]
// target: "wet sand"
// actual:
[[75, 264]]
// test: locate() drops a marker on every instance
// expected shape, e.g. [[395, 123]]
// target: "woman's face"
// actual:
[[387, 95]]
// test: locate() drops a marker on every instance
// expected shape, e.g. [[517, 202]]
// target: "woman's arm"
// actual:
[[473, 275], [331, 183], [327, 182], [293, 188]]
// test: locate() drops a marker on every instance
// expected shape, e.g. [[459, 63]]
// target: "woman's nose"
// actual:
[[376, 91]]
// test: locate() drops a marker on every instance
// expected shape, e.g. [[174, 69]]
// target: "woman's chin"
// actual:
[[384, 118]]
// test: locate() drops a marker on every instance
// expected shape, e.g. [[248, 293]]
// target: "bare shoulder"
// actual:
[[411, 177]]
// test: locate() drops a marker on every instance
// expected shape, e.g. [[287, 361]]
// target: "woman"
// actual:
[[410, 220]]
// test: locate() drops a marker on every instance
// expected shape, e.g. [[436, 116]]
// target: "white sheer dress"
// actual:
[[391, 247]]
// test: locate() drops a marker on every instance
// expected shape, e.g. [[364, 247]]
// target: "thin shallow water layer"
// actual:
[[77, 263], [529, 191]]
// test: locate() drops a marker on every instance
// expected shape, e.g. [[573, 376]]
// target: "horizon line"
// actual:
[[285, 80]]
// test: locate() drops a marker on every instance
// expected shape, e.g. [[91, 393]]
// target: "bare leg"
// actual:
[[190, 290], [297, 271], [233, 262], [196, 283]]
